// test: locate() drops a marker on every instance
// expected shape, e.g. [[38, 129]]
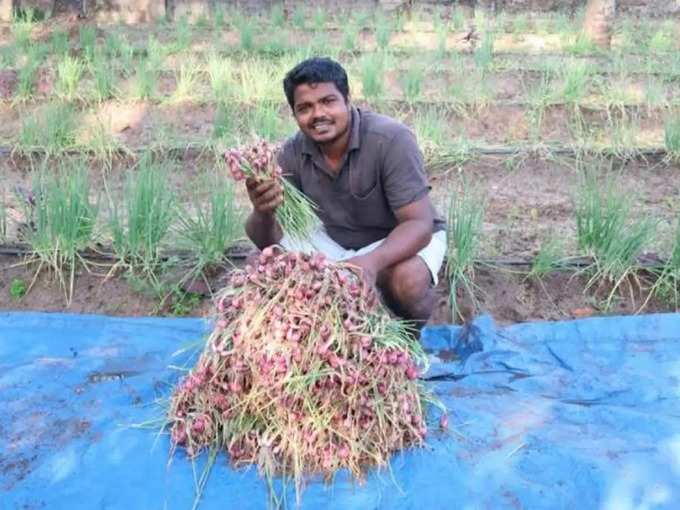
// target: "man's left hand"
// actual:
[[368, 266]]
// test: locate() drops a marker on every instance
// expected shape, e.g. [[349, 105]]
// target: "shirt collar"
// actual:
[[311, 148]]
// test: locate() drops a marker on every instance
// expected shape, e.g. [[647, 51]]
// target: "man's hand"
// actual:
[[265, 196], [368, 266]]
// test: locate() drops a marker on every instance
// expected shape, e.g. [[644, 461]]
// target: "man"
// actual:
[[364, 171]]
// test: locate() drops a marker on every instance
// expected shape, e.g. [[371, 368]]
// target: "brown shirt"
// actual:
[[381, 172]]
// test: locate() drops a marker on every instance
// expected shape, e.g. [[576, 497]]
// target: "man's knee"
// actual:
[[409, 280], [408, 287]]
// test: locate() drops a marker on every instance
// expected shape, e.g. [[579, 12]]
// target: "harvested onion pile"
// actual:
[[296, 215], [304, 373]]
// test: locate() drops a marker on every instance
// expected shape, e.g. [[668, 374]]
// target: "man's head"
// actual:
[[318, 93]]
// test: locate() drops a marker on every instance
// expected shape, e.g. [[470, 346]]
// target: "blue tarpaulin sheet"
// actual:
[[577, 414]]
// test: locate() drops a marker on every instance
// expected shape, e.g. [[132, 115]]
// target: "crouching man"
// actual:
[[364, 171]]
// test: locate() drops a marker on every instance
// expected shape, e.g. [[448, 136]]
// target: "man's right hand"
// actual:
[[265, 196]]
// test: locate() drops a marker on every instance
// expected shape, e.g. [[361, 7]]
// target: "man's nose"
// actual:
[[318, 110]]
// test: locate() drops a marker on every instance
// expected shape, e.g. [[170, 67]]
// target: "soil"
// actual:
[[509, 296], [35, 433], [8, 83]]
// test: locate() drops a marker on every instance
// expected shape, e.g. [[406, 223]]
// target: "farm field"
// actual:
[[555, 162]]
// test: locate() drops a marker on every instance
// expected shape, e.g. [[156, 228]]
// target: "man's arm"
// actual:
[[412, 234], [261, 226], [407, 191]]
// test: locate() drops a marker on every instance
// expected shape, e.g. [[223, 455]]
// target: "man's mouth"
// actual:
[[321, 127]]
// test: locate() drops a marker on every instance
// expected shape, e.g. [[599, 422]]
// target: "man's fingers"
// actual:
[[257, 187], [269, 195], [265, 195], [271, 205], [265, 186]]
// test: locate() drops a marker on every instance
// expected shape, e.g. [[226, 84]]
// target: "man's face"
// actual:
[[321, 112]]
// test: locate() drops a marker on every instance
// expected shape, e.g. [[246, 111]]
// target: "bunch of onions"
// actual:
[[296, 215], [305, 373]]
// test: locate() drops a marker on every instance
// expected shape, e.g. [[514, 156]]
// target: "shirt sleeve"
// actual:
[[403, 172], [290, 163]]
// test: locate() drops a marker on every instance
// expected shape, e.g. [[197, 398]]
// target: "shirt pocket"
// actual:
[[362, 184], [365, 192], [371, 208]]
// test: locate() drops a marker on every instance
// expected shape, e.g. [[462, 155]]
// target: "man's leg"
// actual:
[[319, 242], [407, 289]]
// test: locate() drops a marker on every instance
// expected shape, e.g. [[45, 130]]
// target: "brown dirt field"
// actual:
[[508, 296]]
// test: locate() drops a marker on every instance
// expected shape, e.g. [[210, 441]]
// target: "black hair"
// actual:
[[315, 70]]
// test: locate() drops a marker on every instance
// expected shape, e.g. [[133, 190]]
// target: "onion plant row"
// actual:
[[114, 68], [64, 217], [630, 33], [607, 233], [57, 127], [272, 34]]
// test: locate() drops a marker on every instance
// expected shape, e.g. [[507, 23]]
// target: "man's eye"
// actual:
[[329, 100]]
